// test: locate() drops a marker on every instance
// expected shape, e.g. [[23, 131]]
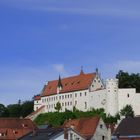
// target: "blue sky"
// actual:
[[41, 38]]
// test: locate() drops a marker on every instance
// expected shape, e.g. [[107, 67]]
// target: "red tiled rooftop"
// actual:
[[14, 128], [86, 127], [74, 83], [38, 97]]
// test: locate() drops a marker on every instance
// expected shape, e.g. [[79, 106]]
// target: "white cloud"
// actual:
[[99, 8], [110, 70], [130, 66], [59, 68]]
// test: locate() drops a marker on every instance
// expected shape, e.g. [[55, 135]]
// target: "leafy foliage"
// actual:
[[127, 80], [127, 111], [58, 106], [3, 111], [17, 110], [58, 118]]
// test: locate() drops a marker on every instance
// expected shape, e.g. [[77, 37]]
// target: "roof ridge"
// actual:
[[72, 76]]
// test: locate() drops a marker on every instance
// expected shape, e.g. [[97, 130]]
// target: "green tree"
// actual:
[[58, 106], [3, 111], [14, 110], [127, 111], [27, 108], [127, 80]]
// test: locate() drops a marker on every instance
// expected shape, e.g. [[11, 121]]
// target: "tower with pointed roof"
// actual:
[[59, 85]]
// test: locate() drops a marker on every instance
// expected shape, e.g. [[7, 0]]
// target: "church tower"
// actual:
[[112, 96]]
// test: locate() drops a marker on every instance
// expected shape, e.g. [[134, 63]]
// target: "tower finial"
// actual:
[[96, 70], [81, 72]]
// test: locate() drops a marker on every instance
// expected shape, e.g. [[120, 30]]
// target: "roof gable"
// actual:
[[86, 127]]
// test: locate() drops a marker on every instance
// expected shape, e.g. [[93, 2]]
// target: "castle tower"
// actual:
[[112, 96]]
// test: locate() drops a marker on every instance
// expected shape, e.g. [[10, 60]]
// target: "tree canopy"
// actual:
[[127, 111], [127, 80], [21, 109]]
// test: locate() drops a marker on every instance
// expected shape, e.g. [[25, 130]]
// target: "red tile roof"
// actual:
[[13, 128], [74, 83], [86, 127], [37, 97]]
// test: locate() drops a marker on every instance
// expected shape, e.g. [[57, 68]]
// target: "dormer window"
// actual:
[[15, 132], [72, 83], [2, 134], [78, 82], [24, 125]]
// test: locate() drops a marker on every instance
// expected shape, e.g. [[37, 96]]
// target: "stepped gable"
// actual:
[[70, 84], [86, 127]]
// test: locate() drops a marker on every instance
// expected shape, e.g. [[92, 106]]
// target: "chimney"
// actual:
[[65, 133]]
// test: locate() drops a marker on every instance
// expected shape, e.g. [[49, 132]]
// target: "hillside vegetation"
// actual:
[[58, 118]]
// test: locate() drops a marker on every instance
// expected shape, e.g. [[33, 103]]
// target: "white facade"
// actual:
[[109, 97]]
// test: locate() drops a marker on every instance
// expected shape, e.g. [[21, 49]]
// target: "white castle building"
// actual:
[[85, 92]]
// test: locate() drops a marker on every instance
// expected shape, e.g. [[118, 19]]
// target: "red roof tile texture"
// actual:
[[86, 127], [70, 84], [13, 128], [38, 97]]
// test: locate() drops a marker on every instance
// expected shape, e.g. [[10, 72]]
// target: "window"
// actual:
[[75, 103], [70, 95], [59, 97], [128, 95], [75, 94], [92, 85], [63, 97], [80, 94], [65, 103], [99, 81], [85, 105], [62, 104], [71, 136], [101, 126], [94, 80], [70, 103], [36, 101], [103, 137], [85, 93]]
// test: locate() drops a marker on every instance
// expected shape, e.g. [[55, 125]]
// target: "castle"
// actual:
[[85, 92]]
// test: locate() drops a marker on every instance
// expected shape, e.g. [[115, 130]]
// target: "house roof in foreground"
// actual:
[[129, 126], [13, 128], [86, 127]]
